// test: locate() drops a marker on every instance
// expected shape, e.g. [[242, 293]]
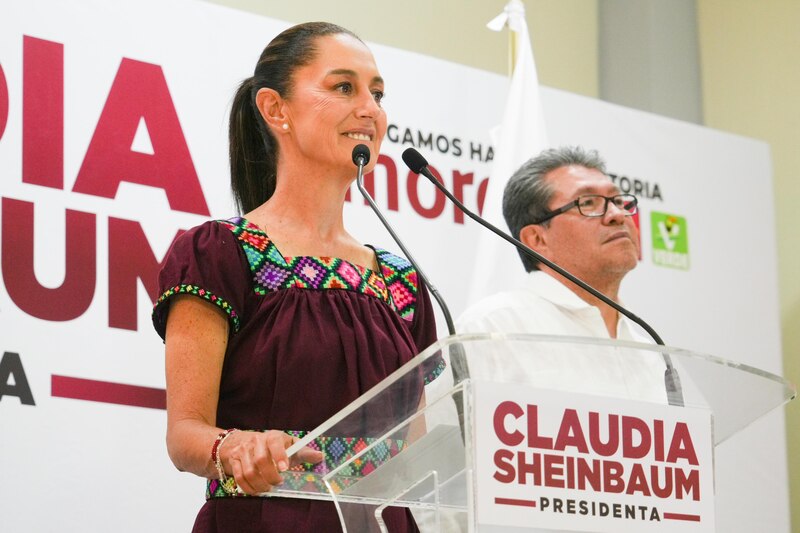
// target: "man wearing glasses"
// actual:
[[564, 206]]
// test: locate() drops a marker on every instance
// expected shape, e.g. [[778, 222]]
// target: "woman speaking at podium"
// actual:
[[276, 320]]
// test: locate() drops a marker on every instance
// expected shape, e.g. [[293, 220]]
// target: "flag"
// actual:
[[520, 136]]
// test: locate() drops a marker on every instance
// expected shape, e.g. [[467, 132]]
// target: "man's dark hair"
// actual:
[[528, 193]]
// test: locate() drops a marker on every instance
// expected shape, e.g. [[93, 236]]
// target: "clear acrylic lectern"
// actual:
[[411, 439]]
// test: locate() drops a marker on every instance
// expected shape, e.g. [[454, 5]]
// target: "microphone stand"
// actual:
[[671, 378], [458, 359]]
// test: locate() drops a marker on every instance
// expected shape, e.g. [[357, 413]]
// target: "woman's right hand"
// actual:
[[256, 459], [196, 342]]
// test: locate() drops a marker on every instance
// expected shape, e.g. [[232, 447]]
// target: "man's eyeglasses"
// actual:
[[596, 205]]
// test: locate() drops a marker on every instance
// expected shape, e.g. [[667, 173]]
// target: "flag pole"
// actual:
[[512, 51], [520, 136]]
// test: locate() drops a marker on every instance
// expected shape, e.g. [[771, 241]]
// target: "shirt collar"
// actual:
[[551, 289], [554, 291]]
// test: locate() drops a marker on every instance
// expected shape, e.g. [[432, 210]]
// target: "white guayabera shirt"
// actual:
[[545, 306]]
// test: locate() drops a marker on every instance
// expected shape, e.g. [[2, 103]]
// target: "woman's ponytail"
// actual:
[[252, 150]]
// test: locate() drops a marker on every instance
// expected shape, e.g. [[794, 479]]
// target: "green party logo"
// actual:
[[670, 240]]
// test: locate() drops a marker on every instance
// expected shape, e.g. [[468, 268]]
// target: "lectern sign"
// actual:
[[549, 459]]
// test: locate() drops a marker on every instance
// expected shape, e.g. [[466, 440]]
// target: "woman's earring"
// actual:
[[285, 126]]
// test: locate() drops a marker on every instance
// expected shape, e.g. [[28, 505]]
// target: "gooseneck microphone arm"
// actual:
[[458, 359], [361, 158], [417, 163]]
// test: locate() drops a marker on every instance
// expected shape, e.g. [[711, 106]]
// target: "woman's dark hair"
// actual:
[[253, 150]]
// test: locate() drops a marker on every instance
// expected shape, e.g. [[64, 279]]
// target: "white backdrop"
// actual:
[[72, 464]]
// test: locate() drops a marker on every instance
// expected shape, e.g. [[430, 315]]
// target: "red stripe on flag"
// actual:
[[107, 392], [511, 501], [678, 516]]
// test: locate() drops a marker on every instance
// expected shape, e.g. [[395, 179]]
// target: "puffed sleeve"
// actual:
[[206, 262]]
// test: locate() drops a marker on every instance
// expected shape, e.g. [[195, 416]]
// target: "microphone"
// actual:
[[419, 165], [458, 359], [360, 157]]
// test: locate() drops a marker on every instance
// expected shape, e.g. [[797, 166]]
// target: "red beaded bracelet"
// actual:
[[217, 442], [226, 484]]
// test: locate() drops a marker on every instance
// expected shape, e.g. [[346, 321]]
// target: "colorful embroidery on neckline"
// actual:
[[395, 285]]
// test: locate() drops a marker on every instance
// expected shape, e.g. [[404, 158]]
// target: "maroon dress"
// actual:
[[308, 335]]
